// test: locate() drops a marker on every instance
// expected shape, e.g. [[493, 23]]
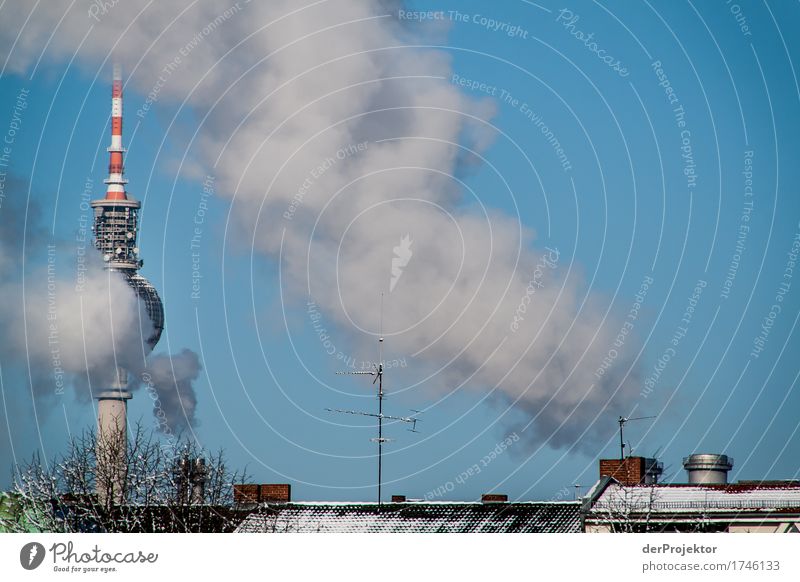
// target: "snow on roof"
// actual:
[[681, 498], [445, 517]]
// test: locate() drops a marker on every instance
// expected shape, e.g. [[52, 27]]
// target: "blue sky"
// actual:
[[624, 212]]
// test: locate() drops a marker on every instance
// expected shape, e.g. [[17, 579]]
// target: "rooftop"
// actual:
[[752, 495], [419, 517]]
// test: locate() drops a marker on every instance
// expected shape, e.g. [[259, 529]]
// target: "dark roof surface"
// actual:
[[419, 517]]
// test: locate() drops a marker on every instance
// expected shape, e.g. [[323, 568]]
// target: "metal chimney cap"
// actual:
[[708, 461]]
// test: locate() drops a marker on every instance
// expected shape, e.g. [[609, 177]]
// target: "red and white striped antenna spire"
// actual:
[[116, 183]]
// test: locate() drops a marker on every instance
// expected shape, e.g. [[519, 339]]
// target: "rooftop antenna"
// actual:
[[377, 372], [622, 420]]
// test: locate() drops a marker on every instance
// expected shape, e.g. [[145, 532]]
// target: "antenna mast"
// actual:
[[380, 398], [622, 420], [377, 371]]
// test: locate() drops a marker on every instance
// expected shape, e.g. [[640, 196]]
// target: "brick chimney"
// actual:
[[245, 493], [251, 493], [631, 470], [494, 498], [275, 493]]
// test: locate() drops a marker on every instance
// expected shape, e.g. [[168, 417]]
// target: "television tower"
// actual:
[[115, 229]]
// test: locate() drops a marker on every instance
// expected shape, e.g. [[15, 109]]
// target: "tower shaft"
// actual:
[[112, 441]]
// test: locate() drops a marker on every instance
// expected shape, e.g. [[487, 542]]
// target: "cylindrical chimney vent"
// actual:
[[198, 481], [707, 469], [181, 473]]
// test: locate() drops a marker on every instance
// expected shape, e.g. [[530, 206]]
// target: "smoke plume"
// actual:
[[170, 378], [335, 144], [63, 316]]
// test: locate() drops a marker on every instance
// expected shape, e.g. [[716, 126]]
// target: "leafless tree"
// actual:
[[632, 510], [626, 510], [138, 484]]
